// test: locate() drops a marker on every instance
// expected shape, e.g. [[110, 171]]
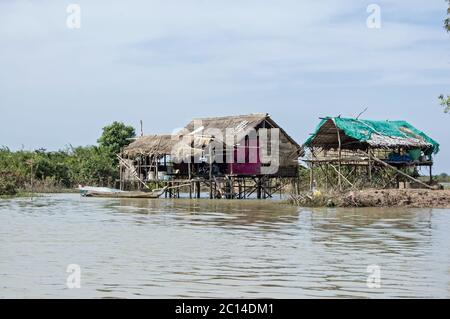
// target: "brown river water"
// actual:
[[208, 249]]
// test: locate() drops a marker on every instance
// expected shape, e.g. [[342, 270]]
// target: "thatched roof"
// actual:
[[166, 144], [356, 133], [199, 133], [236, 124], [150, 144]]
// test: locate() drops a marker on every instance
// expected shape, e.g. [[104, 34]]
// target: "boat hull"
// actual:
[[122, 195]]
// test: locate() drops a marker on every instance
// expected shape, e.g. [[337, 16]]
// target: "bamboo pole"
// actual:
[[139, 171], [431, 174], [340, 158], [397, 170], [132, 170], [311, 170], [210, 174], [198, 189], [120, 176], [190, 180], [340, 175], [370, 165]]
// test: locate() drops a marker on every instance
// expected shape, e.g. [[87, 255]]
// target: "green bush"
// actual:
[[51, 170], [88, 165], [8, 184]]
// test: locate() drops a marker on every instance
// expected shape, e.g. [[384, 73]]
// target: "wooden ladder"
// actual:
[[132, 170]]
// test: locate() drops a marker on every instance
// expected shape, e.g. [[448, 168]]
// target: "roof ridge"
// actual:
[[363, 119], [231, 116]]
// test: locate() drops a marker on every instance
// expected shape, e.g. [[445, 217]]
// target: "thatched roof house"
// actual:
[[229, 130], [241, 125], [366, 153], [352, 134]]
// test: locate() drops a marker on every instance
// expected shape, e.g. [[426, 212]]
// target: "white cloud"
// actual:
[[190, 53]]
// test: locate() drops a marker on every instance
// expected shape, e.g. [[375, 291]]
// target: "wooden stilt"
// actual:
[[197, 185], [396, 170], [258, 187], [340, 159], [370, 165], [431, 174], [240, 189], [210, 174]]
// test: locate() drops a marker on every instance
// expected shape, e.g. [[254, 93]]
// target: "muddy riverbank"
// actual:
[[413, 198]]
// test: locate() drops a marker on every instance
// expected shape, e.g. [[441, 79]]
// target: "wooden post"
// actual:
[[120, 176], [370, 165], [431, 174], [210, 173], [156, 168], [197, 186], [139, 171], [311, 173], [339, 157], [258, 187], [232, 187], [240, 188], [263, 185], [397, 170], [190, 179]]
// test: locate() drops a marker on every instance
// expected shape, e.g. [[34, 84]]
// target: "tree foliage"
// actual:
[[447, 20], [91, 165], [445, 102], [63, 169], [116, 136], [8, 184], [85, 165]]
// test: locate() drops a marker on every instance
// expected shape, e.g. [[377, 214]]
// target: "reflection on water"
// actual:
[[201, 248]]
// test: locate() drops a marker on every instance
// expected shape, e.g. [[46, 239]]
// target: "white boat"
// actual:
[[89, 191], [85, 190]]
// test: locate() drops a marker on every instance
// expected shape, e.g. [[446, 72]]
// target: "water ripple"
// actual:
[[206, 249]]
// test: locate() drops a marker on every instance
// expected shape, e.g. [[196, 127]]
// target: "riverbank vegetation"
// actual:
[[44, 171]]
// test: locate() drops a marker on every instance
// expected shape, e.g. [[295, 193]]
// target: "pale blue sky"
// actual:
[[167, 61]]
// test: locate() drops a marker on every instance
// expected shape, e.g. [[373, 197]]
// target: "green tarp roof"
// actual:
[[363, 130]]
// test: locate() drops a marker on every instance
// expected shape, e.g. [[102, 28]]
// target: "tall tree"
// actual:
[[447, 20], [116, 136], [445, 101]]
